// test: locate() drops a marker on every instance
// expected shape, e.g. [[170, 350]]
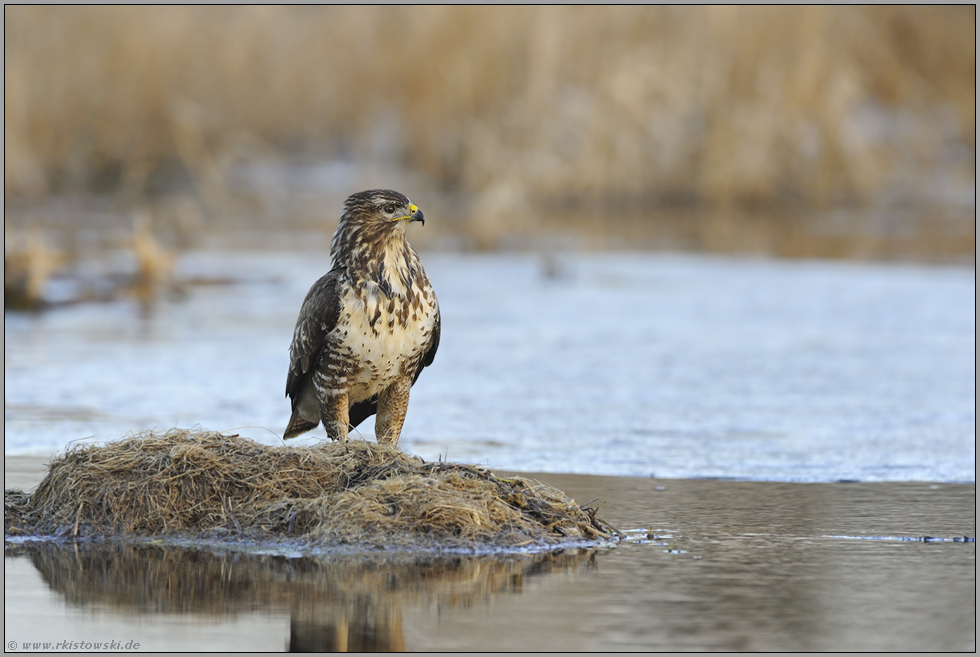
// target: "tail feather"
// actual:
[[298, 425]]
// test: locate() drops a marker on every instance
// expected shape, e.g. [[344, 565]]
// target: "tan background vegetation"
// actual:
[[515, 119]]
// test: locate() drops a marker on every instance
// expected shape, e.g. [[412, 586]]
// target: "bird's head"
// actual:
[[381, 207], [373, 221]]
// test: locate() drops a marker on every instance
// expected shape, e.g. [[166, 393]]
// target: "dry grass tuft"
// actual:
[[203, 483], [28, 264], [155, 265]]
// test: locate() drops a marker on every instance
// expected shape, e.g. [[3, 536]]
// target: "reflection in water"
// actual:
[[336, 604], [732, 566]]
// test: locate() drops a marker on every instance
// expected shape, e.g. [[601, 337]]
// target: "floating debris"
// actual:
[[912, 539]]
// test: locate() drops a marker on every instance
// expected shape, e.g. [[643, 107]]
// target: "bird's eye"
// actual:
[[389, 209]]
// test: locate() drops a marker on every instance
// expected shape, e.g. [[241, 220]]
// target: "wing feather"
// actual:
[[430, 352], [317, 318]]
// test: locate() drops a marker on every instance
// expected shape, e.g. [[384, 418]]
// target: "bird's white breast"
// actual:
[[378, 351]]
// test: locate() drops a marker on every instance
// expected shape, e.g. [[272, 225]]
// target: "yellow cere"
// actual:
[[412, 209]]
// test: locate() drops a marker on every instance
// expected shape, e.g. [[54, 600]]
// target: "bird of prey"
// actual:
[[366, 328]]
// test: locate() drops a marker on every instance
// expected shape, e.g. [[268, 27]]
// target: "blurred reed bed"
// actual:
[[670, 126]]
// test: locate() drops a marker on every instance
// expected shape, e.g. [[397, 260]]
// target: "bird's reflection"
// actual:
[[337, 603]]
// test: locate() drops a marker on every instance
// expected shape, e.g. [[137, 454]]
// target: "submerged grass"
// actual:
[[211, 485]]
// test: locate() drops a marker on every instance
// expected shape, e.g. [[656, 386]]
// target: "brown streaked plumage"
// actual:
[[366, 328]]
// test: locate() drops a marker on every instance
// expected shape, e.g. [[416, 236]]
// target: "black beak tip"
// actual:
[[418, 216]]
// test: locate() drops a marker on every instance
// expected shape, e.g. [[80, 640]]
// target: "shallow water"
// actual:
[[727, 566], [627, 364]]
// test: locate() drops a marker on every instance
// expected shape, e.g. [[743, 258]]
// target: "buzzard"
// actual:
[[366, 328]]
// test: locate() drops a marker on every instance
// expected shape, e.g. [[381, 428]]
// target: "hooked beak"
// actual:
[[416, 214]]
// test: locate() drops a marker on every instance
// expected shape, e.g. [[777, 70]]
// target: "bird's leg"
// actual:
[[334, 413], [392, 406]]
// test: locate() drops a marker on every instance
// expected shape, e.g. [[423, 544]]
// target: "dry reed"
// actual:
[[522, 109], [208, 484], [28, 264]]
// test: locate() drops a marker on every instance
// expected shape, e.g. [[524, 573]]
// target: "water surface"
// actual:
[[626, 364], [710, 565]]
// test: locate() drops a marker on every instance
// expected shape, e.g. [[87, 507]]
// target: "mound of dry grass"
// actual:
[[208, 484]]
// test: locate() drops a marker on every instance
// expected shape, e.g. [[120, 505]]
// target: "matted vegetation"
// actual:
[[211, 485]]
